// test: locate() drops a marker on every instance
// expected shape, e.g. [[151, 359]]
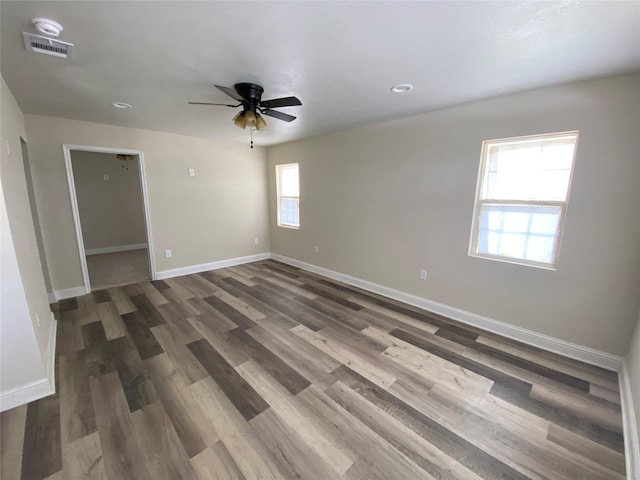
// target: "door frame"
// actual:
[[67, 149]]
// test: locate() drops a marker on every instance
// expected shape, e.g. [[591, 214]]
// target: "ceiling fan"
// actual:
[[253, 107]]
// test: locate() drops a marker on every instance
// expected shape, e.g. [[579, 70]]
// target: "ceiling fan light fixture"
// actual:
[[250, 118], [260, 123], [240, 121]]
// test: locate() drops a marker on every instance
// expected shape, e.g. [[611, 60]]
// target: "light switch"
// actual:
[[105, 177], [192, 172]]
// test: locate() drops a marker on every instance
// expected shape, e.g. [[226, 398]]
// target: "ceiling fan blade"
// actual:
[[207, 103], [232, 93], [281, 102], [279, 115]]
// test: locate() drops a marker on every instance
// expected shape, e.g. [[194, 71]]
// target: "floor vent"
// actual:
[[46, 45]]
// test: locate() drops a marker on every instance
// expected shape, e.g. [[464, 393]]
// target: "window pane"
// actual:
[[289, 211], [288, 195], [515, 222], [512, 245], [289, 181], [529, 169], [518, 231], [545, 223], [540, 248]]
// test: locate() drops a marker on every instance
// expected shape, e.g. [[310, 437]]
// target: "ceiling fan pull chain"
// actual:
[[251, 130]]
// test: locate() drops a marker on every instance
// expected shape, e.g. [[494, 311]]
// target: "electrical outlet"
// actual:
[[315, 249], [167, 253], [256, 241], [105, 177], [423, 274], [192, 172]]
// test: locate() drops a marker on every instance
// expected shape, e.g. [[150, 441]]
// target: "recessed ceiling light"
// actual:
[[402, 88], [121, 105]]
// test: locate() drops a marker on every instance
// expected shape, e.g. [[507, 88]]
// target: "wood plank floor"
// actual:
[[107, 270], [265, 371]]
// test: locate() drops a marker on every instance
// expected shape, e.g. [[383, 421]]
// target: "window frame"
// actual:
[[480, 202], [279, 197]]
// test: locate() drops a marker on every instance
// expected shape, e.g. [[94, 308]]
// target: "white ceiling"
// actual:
[[339, 58]]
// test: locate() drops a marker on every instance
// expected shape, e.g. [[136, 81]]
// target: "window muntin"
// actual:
[[521, 199], [288, 187]]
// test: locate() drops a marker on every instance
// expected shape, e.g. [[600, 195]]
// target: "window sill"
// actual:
[[515, 261]]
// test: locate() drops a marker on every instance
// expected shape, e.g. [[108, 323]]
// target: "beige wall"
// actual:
[[213, 216], [384, 201], [111, 211], [23, 343]]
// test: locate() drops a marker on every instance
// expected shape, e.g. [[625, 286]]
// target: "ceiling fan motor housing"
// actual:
[[251, 92]]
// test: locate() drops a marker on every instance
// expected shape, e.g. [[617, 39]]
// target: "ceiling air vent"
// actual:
[[49, 46]]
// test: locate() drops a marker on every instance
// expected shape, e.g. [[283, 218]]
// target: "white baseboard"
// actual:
[[629, 424], [174, 272], [538, 340], [117, 248], [25, 394], [203, 267], [66, 293], [529, 337], [38, 388]]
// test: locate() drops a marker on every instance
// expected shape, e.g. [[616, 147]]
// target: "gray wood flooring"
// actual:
[[265, 371], [108, 270]]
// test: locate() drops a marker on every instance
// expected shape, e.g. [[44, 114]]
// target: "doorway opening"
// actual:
[[111, 215]]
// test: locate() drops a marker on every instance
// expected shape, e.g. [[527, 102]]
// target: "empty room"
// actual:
[[319, 240]]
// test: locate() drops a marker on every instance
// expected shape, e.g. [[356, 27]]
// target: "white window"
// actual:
[[521, 198], [288, 195]]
